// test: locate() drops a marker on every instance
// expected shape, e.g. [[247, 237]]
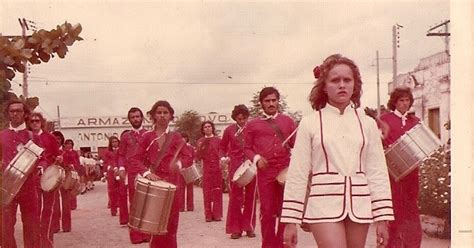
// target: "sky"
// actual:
[[211, 55]]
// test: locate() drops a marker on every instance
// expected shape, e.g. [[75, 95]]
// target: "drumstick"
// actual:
[[289, 137]]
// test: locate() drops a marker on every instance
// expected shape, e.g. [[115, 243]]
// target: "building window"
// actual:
[[433, 121]]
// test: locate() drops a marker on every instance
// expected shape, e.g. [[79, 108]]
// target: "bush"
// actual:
[[435, 184]]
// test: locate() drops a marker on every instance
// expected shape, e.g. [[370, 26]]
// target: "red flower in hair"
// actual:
[[317, 72]]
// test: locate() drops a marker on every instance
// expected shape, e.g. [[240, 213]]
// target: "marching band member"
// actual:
[[207, 150], [264, 138], [63, 212], [110, 161], [128, 171], [52, 154], [405, 231], [337, 181], [232, 145], [11, 139], [186, 194], [158, 141]]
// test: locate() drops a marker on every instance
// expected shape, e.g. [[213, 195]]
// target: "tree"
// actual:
[[39, 47], [256, 108], [189, 122]]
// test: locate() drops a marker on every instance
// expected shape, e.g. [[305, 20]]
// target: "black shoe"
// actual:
[[235, 235], [218, 219], [251, 234]]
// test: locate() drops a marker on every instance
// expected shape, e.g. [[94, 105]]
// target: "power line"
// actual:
[[158, 82]]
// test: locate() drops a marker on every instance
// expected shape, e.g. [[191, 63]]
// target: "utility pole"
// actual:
[[59, 118], [378, 84], [377, 58], [395, 45], [24, 27]]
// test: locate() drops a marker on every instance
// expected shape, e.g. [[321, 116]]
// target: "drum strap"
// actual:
[[278, 132], [162, 152]]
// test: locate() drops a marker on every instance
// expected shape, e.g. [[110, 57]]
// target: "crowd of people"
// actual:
[[337, 181]]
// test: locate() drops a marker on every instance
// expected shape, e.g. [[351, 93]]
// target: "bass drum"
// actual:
[[151, 206], [409, 151], [18, 170]]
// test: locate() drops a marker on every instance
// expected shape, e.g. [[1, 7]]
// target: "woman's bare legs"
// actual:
[[343, 234]]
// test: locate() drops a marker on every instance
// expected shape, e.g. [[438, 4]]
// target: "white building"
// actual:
[[91, 133], [430, 83]]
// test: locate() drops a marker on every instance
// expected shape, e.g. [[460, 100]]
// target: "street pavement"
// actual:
[[93, 226]]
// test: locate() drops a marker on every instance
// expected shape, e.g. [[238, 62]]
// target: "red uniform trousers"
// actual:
[[73, 202], [135, 235], [47, 217], [270, 193], [405, 230], [62, 211], [27, 199], [238, 219], [122, 202], [185, 194], [112, 192], [212, 190], [169, 240]]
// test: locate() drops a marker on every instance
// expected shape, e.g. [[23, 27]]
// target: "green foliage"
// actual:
[[189, 122], [435, 186]]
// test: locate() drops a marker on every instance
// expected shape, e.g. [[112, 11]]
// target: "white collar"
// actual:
[[40, 132], [137, 130], [19, 128], [239, 129], [268, 117], [210, 136], [336, 110], [401, 116]]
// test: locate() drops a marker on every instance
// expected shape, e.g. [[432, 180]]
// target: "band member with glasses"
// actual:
[[12, 139], [51, 155]]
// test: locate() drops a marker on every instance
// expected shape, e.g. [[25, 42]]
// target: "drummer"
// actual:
[[405, 231], [264, 138], [11, 139], [162, 140], [51, 153], [232, 146]]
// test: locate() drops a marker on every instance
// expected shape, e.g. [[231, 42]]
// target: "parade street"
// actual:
[[93, 226]]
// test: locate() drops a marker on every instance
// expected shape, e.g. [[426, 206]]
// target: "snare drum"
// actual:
[[409, 151], [151, 206], [192, 173], [245, 173], [18, 170], [52, 178], [281, 178], [71, 179]]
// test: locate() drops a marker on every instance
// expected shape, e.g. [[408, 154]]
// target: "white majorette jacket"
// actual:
[[349, 173]]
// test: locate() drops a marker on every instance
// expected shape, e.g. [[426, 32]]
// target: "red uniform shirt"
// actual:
[[261, 139], [128, 147], [147, 154]]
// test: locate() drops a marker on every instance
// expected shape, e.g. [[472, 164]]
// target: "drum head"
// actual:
[[241, 170], [49, 179], [159, 183]]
